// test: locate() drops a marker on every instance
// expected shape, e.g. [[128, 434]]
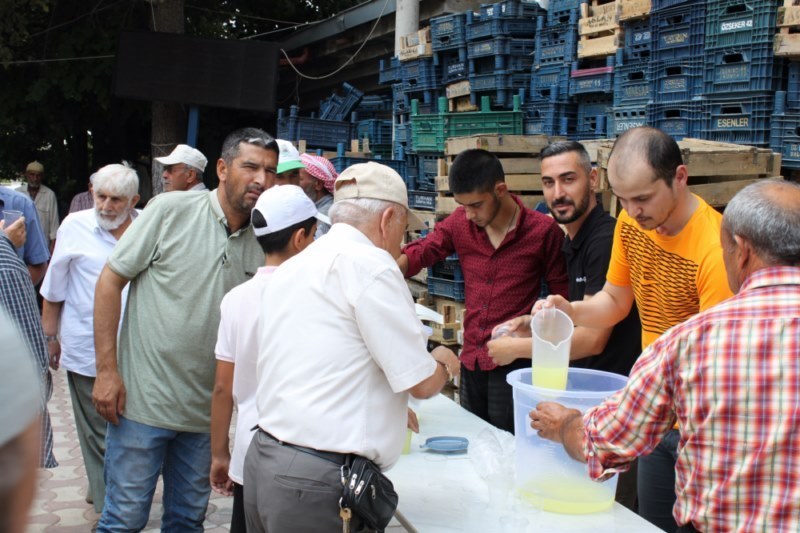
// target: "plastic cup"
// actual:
[[552, 338], [11, 216]]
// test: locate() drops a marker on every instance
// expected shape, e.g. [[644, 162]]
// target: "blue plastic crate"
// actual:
[[659, 5], [624, 118], [448, 32], [550, 82], [419, 74], [491, 27], [376, 130], [735, 70], [452, 65], [591, 80], [678, 119], [793, 87], [740, 120], [632, 84], [733, 23], [341, 162], [389, 71], [678, 32], [503, 84], [338, 107], [400, 104], [637, 41], [555, 44], [676, 80], [511, 9], [506, 63], [374, 106], [501, 48], [563, 12], [422, 200], [401, 133], [785, 139], [545, 117], [593, 112], [428, 167], [446, 287], [318, 133], [449, 269]]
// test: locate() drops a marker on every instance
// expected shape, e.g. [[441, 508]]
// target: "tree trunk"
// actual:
[[169, 119]]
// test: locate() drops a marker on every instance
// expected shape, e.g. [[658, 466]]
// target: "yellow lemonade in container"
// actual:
[[551, 330]]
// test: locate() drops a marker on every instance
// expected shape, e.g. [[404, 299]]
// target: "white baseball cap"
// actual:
[[283, 206], [187, 155], [288, 157]]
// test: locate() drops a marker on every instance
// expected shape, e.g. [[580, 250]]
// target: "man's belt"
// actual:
[[333, 457]]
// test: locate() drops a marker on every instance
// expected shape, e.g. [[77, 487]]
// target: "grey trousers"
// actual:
[[91, 435], [286, 490]]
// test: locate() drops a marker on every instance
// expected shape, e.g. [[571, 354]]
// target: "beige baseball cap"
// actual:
[[376, 181]]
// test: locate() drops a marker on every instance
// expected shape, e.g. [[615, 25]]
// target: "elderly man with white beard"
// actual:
[[84, 241]]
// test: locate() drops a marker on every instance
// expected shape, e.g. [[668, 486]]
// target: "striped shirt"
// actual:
[[19, 299], [730, 377]]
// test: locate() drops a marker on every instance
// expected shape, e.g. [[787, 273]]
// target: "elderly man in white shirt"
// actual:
[[339, 389], [85, 239]]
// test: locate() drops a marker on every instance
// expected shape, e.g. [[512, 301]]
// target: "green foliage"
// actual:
[[49, 103]]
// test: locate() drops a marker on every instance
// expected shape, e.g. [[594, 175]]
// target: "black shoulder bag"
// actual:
[[367, 493]]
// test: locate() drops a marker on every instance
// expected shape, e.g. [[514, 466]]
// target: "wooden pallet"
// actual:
[[632, 9], [500, 144], [416, 45], [717, 171], [447, 204], [787, 40], [599, 29], [453, 313]]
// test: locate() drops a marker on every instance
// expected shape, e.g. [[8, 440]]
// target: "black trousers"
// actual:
[[487, 394], [238, 524]]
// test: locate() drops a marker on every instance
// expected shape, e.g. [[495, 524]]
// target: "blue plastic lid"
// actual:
[[446, 444]]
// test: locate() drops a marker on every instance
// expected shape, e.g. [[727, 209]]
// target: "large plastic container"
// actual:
[[545, 474]]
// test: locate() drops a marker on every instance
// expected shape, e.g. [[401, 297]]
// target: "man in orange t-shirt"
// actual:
[[667, 255]]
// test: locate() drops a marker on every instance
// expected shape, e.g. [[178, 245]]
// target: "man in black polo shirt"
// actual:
[[569, 183]]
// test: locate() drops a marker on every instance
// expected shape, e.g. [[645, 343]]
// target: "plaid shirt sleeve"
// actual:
[[633, 421], [18, 297]]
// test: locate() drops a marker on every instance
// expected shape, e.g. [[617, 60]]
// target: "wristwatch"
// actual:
[[51, 338]]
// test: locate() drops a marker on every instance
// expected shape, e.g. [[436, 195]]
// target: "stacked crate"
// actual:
[[592, 74], [500, 44], [549, 110], [677, 28], [741, 71], [632, 67], [785, 130]]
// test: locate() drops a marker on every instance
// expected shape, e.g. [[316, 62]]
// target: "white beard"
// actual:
[[111, 225]]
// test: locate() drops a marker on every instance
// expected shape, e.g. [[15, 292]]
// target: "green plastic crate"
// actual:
[[429, 132]]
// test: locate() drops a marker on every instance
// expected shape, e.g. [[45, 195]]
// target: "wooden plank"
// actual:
[[515, 182], [454, 90], [788, 16], [447, 204], [632, 9], [599, 46], [709, 158], [461, 104], [787, 45], [511, 165], [597, 19], [499, 144], [427, 217], [719, 194]]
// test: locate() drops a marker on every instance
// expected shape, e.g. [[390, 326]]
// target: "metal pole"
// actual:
[[406, 20], [191, 129]]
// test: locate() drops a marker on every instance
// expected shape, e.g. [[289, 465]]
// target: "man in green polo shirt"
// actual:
[[181, 255]]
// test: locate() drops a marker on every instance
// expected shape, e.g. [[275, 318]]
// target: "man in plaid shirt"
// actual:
[[730, 377]]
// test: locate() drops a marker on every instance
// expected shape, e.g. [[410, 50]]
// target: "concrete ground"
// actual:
[[60, 504]]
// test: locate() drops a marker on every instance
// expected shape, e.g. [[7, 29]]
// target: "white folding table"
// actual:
[[440, 493]]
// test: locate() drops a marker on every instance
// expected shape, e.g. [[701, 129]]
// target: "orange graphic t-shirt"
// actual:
[[673, 277]]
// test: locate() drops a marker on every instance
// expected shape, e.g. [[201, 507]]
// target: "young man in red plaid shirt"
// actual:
[[506, 250], [730, 378]]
